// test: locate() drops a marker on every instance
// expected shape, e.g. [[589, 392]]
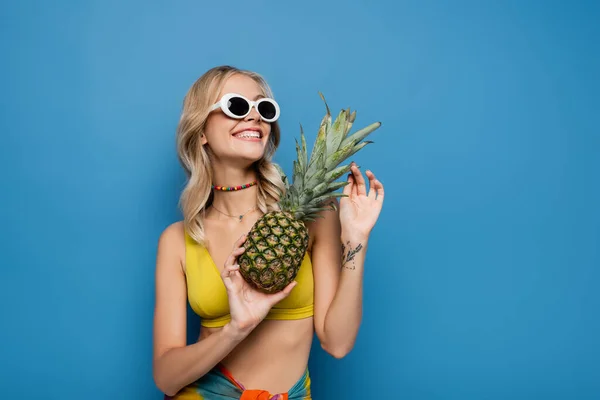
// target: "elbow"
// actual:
[[164, 385], [165, 388], [337, 347], [338, 352]]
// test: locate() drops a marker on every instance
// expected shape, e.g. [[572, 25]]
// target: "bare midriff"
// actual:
[[273, 357]]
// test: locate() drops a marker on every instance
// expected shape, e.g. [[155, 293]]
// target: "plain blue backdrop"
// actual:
[[482, 275]]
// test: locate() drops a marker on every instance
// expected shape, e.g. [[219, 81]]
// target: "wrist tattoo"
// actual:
[[348, 256]]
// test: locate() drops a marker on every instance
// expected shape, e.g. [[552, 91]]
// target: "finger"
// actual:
[[361, 186], [354, 187], [229, 271], [379, 188], [226, 278], [231, 278], [277, 297], [240, 241], [348, 188], [372, 179], [238, 251]]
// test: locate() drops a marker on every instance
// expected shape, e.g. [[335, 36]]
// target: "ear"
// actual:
[[203, 139]]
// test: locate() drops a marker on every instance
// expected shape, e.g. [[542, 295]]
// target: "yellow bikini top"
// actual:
[[208, 297]]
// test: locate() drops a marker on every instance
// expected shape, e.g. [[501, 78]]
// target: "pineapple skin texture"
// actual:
[[274, 250]]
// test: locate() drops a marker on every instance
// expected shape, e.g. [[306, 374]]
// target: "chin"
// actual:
[[249, 155], [252, 158], [250, 150]]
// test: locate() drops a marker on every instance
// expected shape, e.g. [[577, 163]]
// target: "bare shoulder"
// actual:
[[173, 232], [171, 243]]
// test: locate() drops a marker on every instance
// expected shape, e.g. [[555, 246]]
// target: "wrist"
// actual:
[[354, 238], [234, 332]]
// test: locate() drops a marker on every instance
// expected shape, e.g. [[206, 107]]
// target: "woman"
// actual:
[[251, 345]]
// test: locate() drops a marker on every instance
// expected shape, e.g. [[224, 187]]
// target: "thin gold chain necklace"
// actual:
[[239, 217]]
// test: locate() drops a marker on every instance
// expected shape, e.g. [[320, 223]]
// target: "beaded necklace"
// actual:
[[232, 188]]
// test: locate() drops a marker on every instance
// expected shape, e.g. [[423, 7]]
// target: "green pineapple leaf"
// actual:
[[315, 173], [316, 178], [359, 146], [351, 119], [299, 157], [361, 134], [336, 185], [304, 153], [336, 158], [336, 133], [328, 112], [337, 172]]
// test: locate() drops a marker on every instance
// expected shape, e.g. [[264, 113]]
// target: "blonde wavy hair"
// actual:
[[194, 157]]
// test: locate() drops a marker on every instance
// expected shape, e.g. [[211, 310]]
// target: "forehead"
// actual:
[[243, 85]]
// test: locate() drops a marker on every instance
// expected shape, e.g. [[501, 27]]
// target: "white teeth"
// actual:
[[248, 135]]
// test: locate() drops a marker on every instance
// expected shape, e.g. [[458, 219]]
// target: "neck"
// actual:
[[238, 201]]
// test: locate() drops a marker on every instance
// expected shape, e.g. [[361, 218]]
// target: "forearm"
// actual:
[[181, 366], [344, 315]]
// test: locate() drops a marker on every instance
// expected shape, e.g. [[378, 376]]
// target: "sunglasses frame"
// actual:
[[222, 104]]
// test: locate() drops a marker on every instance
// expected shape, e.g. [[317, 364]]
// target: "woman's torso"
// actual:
[[275, 355]]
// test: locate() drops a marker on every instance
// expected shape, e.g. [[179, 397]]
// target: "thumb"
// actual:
[[277, 297]]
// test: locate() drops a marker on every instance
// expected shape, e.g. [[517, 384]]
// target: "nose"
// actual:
[[253, 115]]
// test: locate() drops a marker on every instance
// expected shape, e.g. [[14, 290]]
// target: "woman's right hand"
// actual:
[[247, 305]]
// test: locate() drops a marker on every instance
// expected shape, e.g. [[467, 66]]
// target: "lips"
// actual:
[[248, 134]]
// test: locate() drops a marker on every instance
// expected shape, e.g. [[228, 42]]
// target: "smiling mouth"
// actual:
[[248, 135]]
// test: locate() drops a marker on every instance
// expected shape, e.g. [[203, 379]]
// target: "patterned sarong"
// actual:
[[219, 384]]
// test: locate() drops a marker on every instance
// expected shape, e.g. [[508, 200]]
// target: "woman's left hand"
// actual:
[[360, 210]]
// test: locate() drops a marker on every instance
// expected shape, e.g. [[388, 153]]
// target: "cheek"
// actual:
[[267, 130], [218, 127]]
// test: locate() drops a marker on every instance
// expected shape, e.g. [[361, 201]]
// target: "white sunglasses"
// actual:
[[237, 106]]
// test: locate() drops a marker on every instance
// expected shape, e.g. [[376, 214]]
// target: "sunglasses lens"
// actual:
[[238, 106], [267, 109]]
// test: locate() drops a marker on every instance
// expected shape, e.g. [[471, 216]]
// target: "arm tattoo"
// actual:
[[349, 256]]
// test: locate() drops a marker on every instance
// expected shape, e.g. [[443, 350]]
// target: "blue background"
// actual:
[[482, 274]]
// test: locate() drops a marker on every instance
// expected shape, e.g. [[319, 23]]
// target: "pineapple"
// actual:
[[277, 242]]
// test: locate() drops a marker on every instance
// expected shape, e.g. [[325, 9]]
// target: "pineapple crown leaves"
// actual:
[[313, 179]]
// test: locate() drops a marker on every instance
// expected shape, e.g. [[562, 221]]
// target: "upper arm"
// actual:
[[326, 264], [170, 293]]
